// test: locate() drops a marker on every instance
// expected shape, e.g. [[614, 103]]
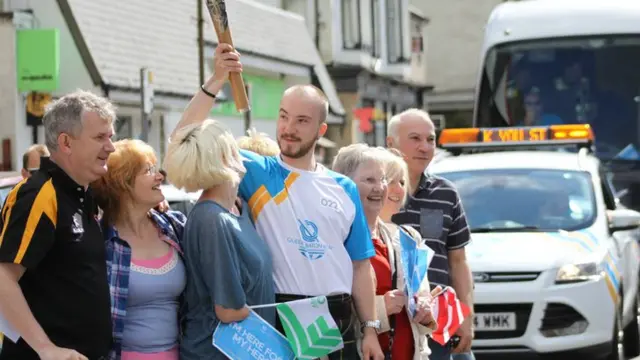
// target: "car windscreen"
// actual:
[[525, 198], [591, 79]]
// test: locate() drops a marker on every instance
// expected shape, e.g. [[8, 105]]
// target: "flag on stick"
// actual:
[[309, 327], [449, 313], [415, 260]]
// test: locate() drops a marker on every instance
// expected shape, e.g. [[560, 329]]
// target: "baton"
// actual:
[[218, 11]]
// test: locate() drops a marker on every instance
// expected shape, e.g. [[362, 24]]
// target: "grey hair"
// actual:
[[350, 157], [65, 115], [392, 125]]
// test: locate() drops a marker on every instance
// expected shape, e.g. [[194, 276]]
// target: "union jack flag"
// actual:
[[449, 313]]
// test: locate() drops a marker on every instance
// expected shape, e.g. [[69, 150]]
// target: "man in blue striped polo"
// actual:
[[435, 210]]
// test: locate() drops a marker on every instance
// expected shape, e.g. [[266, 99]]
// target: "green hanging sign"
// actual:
[[38, 57]]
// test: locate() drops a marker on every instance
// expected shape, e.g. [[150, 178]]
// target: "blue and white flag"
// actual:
[[415, 263], [250, 339]]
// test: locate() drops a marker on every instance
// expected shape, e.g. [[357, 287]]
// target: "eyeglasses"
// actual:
[[152, 170]]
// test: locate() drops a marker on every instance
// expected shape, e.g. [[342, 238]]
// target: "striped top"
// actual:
[[435, 210]]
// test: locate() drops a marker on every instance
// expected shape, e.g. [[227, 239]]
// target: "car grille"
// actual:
[[522, 311], [500, 277], [559, 316]]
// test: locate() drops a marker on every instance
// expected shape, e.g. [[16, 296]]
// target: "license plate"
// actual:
[[495, 321]]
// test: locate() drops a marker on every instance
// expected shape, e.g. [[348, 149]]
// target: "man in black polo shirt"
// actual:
[[53, 276], [435, 210]]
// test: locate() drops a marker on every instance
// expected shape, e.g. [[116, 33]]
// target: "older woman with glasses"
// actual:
[[228, 264], [382, 181], [144, 264]]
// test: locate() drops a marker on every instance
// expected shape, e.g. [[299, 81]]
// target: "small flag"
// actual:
[[449, 313], [309, 327], [415, 261]]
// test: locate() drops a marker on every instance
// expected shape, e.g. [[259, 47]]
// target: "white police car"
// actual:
[[554, 258]]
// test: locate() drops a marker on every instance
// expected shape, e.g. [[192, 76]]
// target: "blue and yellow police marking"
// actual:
[[586, 242], [612, 277], [581, 243]]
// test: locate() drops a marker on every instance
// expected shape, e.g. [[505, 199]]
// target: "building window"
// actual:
[[351, 37], [394, 31], [417, 40], [376, 20], [123, 128]]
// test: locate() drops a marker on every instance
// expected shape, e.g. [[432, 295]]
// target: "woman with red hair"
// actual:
[[144, 263]]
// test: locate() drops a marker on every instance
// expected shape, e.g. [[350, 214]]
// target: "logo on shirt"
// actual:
[[309, 231], [308, 244], [76, 225], [331, 204]]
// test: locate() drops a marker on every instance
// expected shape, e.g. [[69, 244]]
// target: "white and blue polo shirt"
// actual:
[[312, 222]]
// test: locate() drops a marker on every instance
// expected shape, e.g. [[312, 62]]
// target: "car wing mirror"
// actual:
[[623, 219]]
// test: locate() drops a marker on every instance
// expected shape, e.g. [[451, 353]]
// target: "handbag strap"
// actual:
[[394, 285], [392, 318]]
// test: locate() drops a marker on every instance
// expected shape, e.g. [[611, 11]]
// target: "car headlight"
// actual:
[[579, 272]]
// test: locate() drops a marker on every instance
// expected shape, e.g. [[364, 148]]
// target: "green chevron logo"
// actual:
[[317, 340]]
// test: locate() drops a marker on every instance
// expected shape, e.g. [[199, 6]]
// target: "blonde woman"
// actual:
[[228, 264], [144, 263], [381, 178]]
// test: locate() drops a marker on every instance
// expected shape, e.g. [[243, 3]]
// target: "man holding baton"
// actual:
[[310, 217]]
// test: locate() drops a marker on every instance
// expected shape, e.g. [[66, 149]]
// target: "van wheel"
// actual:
[[632, 332]]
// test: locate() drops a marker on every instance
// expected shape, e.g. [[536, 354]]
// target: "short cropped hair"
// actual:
[[348, 159], [115, 188], [65, 115], [40, 149], [259, 143], [396, 168], [392, 125], [315, 91], [202, 156]]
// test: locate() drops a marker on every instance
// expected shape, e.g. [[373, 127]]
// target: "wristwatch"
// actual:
[[374, 324]]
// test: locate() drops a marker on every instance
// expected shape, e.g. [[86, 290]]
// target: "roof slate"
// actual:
[[125, 35]]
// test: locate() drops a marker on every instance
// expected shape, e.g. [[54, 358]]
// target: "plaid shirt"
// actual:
[[171, 224]]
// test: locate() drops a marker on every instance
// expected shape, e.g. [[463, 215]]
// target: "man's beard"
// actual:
[[301, 152]]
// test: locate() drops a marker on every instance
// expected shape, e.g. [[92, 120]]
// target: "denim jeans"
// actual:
[[439, 352]]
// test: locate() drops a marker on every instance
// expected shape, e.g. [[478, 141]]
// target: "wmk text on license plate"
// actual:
[[495, 321]]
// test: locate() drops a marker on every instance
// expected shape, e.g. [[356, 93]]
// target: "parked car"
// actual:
[[8, 179], [554, 257], [178, 199]]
